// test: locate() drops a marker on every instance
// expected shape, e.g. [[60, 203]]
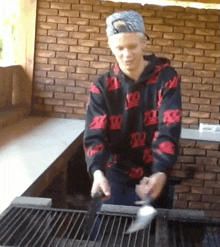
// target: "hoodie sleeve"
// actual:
[[94, 140], [165, 145]]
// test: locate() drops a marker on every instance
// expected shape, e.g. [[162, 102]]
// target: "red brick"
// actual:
[[206, 161], [183, 43], [88, 57], [74, 103], [203, 73], [79, 49], [198, 190], [67, 69], [174, 22], [193, 182], [47, 11], [53, 102], [205, 46], [46, 39], [214, 25], [175, 50], [174, 36], [154, 35], [102, 9], [79, 63], [68, 13], [78, 21], [79, 35], [101, 51], [162, 28], [213, 39], [215, 116], [191, 79], [67, 41], [67, 27], [41, 46], [174, 8], [180, 204], [42, 53], [61, 34], [217, 191], [43, 94], [209, 95], [190, 93], [211, 198], [166, 14], [148, 13], [78, 76], [89, 15], [89, 29], [60, 5], [41, 32], [195, 24], [185, 99], [183, 30], [44, 80], [211, 153], [187, 120], [43, 5], [205, 176], [154, 21], [110, 59], [182, 189], [92, 2], [207, 146], [194, 10], [111, 4], [190, 106], [81, 7], [203, 87], [193, 65], [190, 197], [79, 111], [199, 205], [212, 53], [199, 114], [57, 19], [187, 144], [212, 184], [90, 43], [58, 47], [82, 70], [42, 18], [186, 16], [184, 58], [212, 168], [46, 25], [54, 88], [42, 109], [209, 18], [77, 90], [210, 80], [68, 55], [99, 37], [209, 108], [64, 109], [84, 84], [182, 72], [153, 48], [193, 151], [184, 112], [48, 67], [57, 75], [204, 60], [163, 42], [99, 65], [64, 82]]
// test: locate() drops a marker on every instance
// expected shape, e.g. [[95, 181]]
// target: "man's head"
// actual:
[[127, 39]]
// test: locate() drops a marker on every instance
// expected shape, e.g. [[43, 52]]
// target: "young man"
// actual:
[[133, 119]]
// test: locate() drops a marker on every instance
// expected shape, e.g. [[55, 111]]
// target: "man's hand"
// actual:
[[152, 185], [100, 183]]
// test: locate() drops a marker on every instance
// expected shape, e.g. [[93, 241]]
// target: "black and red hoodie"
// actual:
[[134, 125]]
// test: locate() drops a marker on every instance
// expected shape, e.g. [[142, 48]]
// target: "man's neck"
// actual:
[[135, 74]]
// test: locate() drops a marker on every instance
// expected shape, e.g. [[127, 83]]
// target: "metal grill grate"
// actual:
[[40, 227]]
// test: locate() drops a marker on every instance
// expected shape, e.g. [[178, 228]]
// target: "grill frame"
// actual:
[[155, 235]]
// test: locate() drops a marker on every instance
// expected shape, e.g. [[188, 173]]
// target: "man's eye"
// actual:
[[120, 48]]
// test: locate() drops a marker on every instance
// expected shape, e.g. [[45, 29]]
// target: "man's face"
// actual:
[[128, 50]]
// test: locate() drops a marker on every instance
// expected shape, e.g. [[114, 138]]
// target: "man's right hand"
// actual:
[[100, 183]]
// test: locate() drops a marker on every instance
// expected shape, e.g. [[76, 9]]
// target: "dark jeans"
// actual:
[[123, 191]]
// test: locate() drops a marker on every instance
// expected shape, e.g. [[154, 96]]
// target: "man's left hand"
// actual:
[[152, 185]]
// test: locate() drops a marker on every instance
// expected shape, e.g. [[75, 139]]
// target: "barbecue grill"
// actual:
[[37, 226]]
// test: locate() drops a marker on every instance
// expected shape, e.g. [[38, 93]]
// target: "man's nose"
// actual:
[[127, 53]]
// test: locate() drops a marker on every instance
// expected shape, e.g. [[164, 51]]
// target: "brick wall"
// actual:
[[71, 51]]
